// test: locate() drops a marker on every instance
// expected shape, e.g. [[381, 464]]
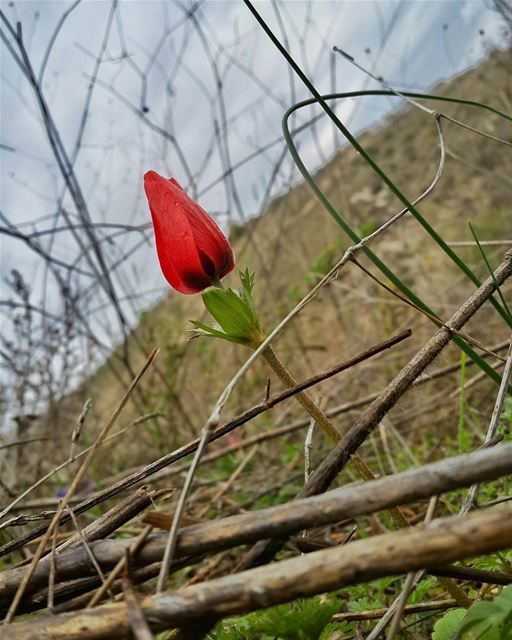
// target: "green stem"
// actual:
[[325, 423], [393, 514], [302, 397]]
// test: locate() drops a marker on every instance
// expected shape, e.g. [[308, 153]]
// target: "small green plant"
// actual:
[[322, 265], [300, 620], [317, 270], [463, 432], [484, 620], [447, 626], [367, 227]]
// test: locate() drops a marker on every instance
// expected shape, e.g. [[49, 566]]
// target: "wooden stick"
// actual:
[[334, 506], [339, 456], [190, 447], [441, 542]]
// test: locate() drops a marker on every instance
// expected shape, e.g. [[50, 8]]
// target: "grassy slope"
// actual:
[[289, 247], [295, 238]]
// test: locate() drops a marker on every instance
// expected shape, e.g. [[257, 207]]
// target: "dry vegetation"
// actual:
[[290, 247]]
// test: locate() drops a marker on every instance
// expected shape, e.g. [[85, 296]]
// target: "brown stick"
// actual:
[[473, 575], [338, 457], [138, 622], [375, 614], [190, 447], [74, 484], [114, 518], [334, 506], [441, 542]]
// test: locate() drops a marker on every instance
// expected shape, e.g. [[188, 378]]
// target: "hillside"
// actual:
[[295, 241], [289, 247]]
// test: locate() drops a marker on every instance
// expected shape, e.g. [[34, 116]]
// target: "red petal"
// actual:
[[192, 249], [209, 238], [175, 244]]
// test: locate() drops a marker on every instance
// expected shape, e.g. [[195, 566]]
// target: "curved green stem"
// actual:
[[335, 214]]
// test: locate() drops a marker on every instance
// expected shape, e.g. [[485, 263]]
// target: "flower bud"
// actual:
[[193, 252]]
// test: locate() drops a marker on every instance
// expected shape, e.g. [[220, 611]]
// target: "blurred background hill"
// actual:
[[95, 94], [289, 247]]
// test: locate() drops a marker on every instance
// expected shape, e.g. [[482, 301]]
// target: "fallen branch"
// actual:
[[190, 447], [280, 521], [338, 457], [441, 542]]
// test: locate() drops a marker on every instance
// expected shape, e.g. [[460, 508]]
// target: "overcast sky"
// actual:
[[156, 77]]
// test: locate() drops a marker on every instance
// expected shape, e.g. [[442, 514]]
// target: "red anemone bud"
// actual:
[[193, 251]]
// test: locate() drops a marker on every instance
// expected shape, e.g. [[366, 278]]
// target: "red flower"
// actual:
[[193, 251]]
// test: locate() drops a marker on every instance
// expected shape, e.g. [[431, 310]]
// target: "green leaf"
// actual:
[[482, 621], [247, 280], [229, 311], [489, 620], [210, 332], [234, 312], [447, 626], [491, 272], [300, 620]]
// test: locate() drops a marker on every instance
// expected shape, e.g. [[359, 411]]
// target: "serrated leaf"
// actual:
[[234, 312], [247, 280], [484, 620], [300, 620], [204, 330], [447, 626]]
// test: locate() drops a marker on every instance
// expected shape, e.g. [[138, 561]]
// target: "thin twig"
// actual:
[[443, 541], [86, 546], [53, 569], [308, 446], [74, 483], [20, 443], [180, 507], [133, 550], [411, 580], [437, 321], [375, 614], [138, 624], [472, 496], [77, 431]]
